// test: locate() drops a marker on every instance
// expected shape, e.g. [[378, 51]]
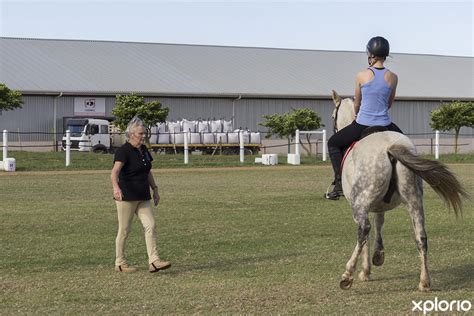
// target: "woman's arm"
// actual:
[[154, 187], [357, 94], [393, 84], [114, 176]]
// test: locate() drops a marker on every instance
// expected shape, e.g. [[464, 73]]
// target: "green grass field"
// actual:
[[258, 240]]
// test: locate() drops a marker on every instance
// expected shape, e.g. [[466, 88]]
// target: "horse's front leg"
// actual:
[[379, 256], [361, 217], [364, 274]]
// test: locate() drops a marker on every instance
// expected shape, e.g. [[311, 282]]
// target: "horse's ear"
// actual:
[[336, 98]]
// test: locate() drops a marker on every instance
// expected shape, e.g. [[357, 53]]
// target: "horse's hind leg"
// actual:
[[418, 219], [379, 255], [413, 194], [362, 219]]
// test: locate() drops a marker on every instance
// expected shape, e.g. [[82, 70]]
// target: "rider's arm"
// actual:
[[357, 94], [393, 84]]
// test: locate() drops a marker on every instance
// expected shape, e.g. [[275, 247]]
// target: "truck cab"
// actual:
[[88, 134]]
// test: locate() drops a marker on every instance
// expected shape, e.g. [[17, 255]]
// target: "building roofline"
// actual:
[[225, 95], [220, 46]]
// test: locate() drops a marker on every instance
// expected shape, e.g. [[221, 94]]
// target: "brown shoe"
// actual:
[[158, 265], [125, 268]]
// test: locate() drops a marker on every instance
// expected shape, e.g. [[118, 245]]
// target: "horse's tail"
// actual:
[[436, 174]]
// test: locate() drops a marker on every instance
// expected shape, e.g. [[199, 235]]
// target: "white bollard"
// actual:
[[241, 140], [297, 142], [186, 149], [324, 145], [5, 144], [436, 144], [68, 148]]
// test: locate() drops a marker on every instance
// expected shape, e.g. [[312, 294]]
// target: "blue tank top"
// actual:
[[374, 105]]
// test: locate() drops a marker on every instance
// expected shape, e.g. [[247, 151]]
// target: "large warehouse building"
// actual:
[[236, 83]]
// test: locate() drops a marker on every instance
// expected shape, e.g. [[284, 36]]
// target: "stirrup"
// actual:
[[334, 194]]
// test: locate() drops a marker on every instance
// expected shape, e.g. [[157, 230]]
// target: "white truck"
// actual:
[[89, 134]]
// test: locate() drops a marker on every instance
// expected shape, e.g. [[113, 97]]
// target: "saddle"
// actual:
[[393, 179]]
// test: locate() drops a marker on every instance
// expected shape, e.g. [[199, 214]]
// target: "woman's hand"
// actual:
[[156, 196], [117, 194]]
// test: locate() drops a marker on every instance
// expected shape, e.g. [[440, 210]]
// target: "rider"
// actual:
[[374, 93]]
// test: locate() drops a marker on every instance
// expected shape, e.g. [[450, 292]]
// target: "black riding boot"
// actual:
[[336, 158]]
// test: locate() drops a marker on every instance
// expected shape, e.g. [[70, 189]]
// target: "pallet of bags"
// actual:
[[163, 134], [176, 136]]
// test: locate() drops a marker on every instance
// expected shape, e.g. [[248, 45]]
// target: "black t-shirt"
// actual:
[[133, 177]]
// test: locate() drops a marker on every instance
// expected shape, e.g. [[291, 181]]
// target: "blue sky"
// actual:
[[420, 27]]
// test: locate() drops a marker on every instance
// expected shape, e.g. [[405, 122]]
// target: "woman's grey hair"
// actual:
[[132, 125]]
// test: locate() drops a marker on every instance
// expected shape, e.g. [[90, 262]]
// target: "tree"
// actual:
[[453, 116], [9, 99], [128, 106], [286, 124]]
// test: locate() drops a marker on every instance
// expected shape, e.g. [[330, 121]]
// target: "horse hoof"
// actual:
[[378, 258], [346, 284], [424, 287]]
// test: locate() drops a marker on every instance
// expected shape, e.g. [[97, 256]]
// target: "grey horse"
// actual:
[[380, 172]]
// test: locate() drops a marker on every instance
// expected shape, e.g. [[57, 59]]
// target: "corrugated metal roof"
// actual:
[[101, 67]]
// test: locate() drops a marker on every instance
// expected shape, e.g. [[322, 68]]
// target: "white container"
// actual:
[[9, 164], [203, 127], [163, 138], [153, 135], [216, 126], [233, 137], [255, 138], [195, 138], [226, 126], [293, 159], [270, 159], [246, 136], [189, 126], [177, 138], [208, 138], [221, 138]]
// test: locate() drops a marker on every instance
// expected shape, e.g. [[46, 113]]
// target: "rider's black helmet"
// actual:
[[378, 46]]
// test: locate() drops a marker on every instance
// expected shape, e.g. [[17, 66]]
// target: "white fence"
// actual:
[[294, 158]]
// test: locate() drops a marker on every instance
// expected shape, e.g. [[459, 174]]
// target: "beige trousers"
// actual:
[[146, 213]]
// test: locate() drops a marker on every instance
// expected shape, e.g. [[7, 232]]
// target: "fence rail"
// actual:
[[242, 146]]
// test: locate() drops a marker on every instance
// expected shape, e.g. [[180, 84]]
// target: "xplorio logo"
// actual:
[[441, 306]]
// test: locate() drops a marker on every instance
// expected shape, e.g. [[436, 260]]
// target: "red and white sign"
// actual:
[[89, 106]]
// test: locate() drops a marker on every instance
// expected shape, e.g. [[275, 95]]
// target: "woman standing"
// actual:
[[131, 180], [375, 90]]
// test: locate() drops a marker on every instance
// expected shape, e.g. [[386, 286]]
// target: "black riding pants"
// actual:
[[341, 140]]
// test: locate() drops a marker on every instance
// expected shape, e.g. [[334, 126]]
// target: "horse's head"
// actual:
[[344, 112]]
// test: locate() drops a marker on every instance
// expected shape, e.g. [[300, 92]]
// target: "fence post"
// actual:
[[324, 145], [5, 144], [68, 148], [297, 142], [186, 149], [436, 144], [241, 141]]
